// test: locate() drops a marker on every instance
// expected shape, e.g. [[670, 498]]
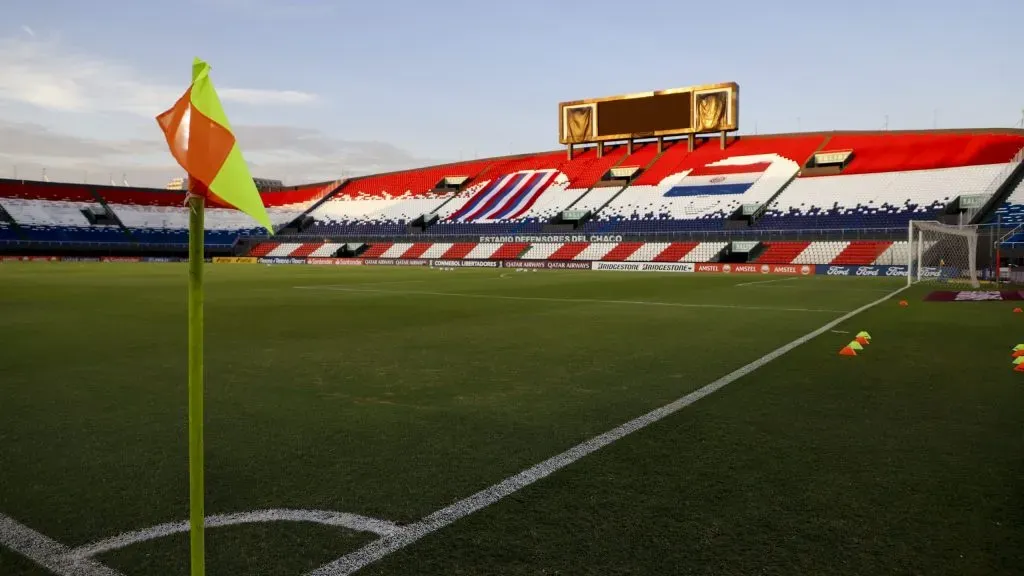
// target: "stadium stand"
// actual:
[[385, 204], [703, 188], [1012, 210], [676, 205], [79, 214], [54, 213], [524, 193], [781, 252], [821, 252], [892, 178], [161, 217]]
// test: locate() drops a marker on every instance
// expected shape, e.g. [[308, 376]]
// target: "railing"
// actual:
[[1002, 239], [841, 234], [997, 182]]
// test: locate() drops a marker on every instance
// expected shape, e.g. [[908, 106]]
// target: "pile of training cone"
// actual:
[[1018, 358], [863, 339]]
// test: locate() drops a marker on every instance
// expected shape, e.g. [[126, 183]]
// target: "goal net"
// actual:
[[943, 253]]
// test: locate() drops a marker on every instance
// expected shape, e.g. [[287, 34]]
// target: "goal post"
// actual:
[[942, 253]]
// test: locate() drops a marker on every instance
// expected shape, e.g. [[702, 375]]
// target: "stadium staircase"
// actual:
[[5, 217], [95, 192], [295, 226], [9, 229], [1004, 186]]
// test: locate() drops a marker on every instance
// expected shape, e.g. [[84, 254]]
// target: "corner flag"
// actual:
[[200, 139]]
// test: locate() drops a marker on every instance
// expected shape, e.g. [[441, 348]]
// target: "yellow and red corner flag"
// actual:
[[200, 139]]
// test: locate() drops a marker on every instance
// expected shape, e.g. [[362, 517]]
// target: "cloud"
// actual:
[[34, 141], [264, 97], [28, 30], [45, 74], [42, 80], [295, 155], [305, 154]]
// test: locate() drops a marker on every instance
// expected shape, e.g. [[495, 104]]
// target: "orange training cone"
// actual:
[[847, 351], [862, 340], [1017, 354], [904, 303], [1017, 310], [1018, 368]]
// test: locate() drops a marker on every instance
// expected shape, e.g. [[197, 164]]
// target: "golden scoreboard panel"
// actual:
[[691, 110]]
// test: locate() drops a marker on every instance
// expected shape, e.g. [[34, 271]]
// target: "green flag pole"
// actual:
[[196, 492]]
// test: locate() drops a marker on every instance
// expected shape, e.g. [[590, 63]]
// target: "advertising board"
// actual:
[[876, 271], [334, 261], [782, 269], [547, 264], [465, 264], [394, 262], [234, 260], [643, 266]]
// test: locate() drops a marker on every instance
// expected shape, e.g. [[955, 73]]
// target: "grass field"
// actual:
[[394, 393]]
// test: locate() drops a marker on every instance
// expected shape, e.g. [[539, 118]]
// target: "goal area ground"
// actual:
[[416, 421]]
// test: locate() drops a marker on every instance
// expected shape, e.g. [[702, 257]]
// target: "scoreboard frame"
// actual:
[[702, 109]]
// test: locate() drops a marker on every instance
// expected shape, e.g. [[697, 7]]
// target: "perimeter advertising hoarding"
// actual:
[[334, 261], [465, 264], [643, 266], [234, 260], [394, 262], [282, 260], [547, 264], [879, 271], [30, 258], [783, 269]]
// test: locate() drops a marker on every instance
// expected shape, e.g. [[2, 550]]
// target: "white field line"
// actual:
[[386, 545], [48, 553], [566, 300], [327, 518], [374, 283], [838, 289], [767, 281]]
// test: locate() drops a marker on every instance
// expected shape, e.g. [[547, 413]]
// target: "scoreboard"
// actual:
[[691, 110]]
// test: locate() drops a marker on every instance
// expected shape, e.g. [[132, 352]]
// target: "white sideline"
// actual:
[[48, 553], [386, 545], [327, 518], [337, 288]]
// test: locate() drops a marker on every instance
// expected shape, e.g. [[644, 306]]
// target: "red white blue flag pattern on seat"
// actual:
[[713, 180], [507, 197]]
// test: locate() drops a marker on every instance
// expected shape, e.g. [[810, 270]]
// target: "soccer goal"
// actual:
[[943, 253]]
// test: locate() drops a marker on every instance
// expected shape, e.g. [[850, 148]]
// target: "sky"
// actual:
[[320, 89]]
